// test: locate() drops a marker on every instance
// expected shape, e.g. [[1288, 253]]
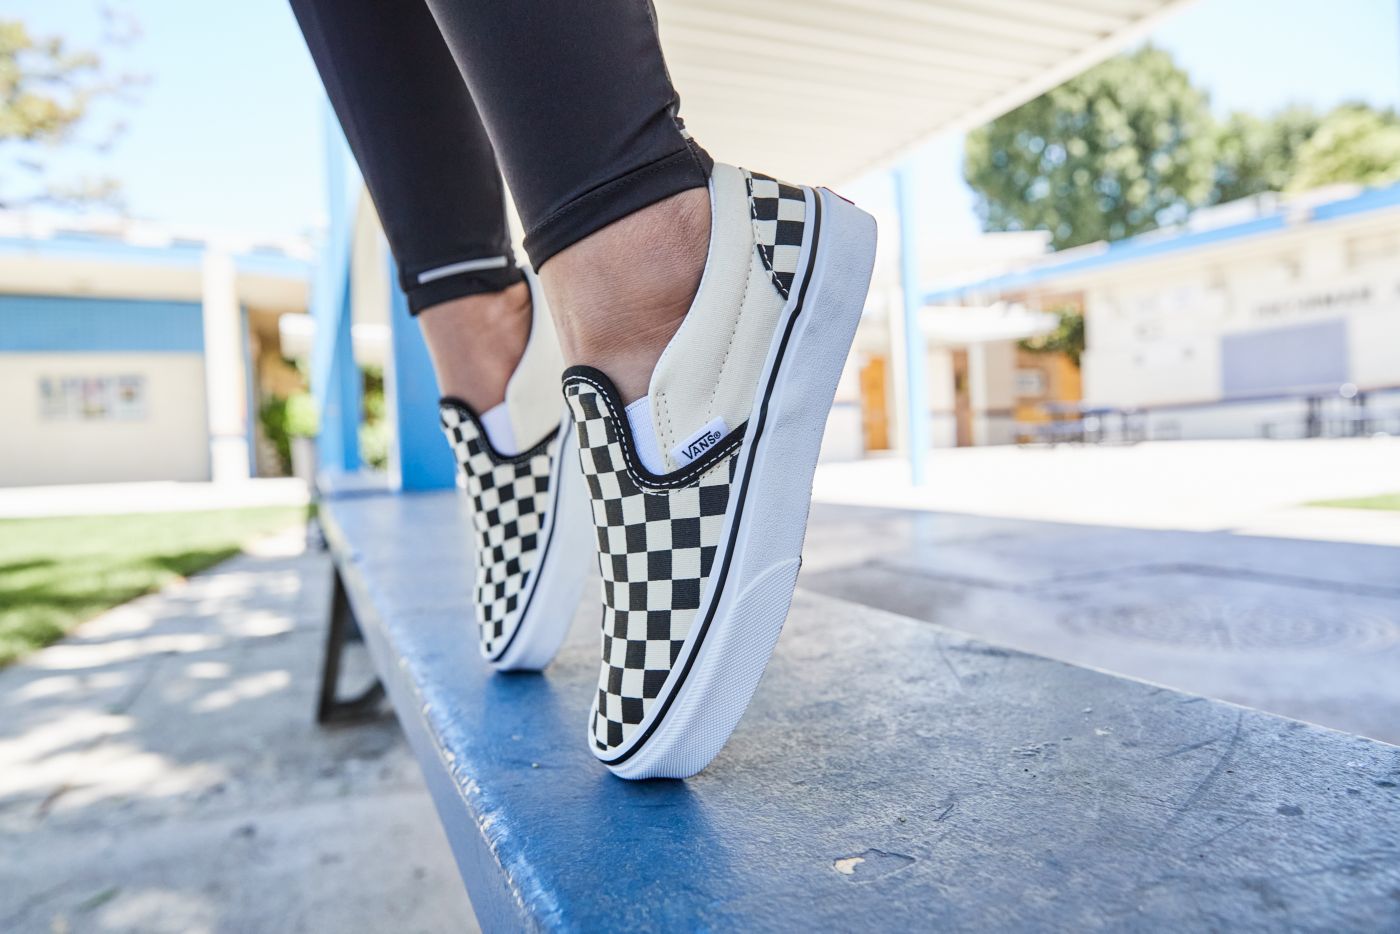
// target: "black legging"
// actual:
[[572, 99]]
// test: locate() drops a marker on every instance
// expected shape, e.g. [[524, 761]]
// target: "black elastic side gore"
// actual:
[[722, 574], [495, 456], [645, 478]]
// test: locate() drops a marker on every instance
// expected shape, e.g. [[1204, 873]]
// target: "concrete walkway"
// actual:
[[1189, 564], [1251, 487], [1306, 629], [160, 771]]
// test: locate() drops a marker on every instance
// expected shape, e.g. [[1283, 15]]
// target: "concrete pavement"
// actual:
[[1256, 487], [160, 771], [1306, 629], [1190, 564]]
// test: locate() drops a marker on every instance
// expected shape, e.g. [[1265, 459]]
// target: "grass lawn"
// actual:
[[55, 573], [1383, 501]]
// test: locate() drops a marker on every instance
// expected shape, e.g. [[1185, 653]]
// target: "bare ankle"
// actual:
[[619, 294], [476, 342]]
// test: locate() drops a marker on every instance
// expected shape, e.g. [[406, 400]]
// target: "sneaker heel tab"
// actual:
[[454, 402], [458, 407], [466, 414], [587, 374]]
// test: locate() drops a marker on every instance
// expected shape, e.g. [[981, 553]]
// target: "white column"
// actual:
[[226, 390], [978, 394], [898, 389]]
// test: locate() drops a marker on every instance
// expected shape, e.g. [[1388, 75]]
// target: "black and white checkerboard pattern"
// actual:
[[510, 499], [655, 551], [779, 213]]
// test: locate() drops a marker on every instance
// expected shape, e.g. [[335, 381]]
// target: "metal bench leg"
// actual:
[[343, 628]]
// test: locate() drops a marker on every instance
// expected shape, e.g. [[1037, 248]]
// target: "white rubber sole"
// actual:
[[562, 570], [797, 386]]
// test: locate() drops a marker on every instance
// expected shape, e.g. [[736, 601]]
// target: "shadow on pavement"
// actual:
[[160, 770]]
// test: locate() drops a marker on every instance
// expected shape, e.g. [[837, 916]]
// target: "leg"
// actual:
[[716, 308], [431, 170], [432, 174], [610, 187]]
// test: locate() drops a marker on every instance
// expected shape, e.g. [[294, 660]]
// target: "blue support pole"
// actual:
[[343, 412], [424, 457], [335, 378], [915, 348]]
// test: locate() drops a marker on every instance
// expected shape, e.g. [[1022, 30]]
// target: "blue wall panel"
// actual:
[[53, 324], [1292, 359]]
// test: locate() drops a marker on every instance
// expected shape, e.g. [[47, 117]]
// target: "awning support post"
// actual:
[[421, 456], [915, 347], [335, 378]]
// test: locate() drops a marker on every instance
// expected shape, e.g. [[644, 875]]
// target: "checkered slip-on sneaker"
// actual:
[[528, 510], [699, 560]]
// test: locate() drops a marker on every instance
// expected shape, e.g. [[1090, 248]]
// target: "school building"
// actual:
[[130, 352], [1272, 316]]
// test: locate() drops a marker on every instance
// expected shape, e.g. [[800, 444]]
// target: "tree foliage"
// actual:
[[47, 94], [1258, 154], [1131, 145], [1354, 143], [1067, 338], [41, 96], [1120, 149]]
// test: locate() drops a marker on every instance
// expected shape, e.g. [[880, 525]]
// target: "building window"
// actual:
[[92, 398], [1030, 382]]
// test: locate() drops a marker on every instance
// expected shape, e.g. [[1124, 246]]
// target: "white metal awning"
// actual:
[[961, 325], [821, 91]]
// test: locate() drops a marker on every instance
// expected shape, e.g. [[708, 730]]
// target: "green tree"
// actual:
[[47, 93], [1258, 154], [1123, 148], [1067, 338], [1354, 143]]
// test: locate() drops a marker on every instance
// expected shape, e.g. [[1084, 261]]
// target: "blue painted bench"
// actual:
[[890, 775]]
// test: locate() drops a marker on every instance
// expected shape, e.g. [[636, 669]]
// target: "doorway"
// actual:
[[962, 399], [874, 405]]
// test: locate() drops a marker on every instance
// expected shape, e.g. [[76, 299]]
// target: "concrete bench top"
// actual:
[[890, 775]]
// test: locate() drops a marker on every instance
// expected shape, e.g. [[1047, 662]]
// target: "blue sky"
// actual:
[[228, 135]]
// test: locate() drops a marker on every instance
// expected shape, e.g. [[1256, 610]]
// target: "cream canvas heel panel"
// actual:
[[711, 411], [683, 385], [531, 392]]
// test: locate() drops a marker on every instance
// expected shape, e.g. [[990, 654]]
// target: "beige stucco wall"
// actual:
[[170, 443], [1154, 331]]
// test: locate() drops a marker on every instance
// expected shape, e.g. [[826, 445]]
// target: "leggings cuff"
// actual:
[[445, 288], [614, 200]]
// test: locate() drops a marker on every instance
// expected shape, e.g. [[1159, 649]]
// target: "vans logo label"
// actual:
[[697, 444]]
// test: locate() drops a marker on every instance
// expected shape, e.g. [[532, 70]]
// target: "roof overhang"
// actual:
[[1261, 234], [110, 267], [822, 91], [963, 325]]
